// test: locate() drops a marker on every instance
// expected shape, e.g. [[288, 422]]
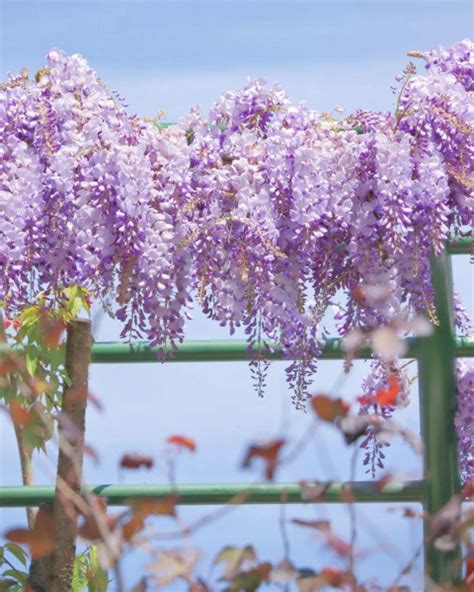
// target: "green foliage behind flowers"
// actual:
[[32, 374]]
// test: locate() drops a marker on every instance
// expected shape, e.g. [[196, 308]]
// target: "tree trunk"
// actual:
[[71, 439]]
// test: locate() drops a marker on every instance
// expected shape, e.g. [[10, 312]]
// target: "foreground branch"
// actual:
[[69, 470]]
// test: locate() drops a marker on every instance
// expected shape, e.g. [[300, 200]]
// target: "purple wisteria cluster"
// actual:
[[262, 212], [464, 420], [91, 196]]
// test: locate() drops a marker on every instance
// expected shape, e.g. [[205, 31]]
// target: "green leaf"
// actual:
[[10, 586], [31, 360], [17, 575], [98, 579], [79, 575], [17, 552]]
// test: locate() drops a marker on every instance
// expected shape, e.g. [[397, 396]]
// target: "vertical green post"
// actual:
[[437, 388]]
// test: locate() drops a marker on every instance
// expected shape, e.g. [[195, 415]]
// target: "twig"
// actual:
[[118, 577], [408, 567], [231, 505], [300, 445], [26, 465], [283, 531], [352, 515]]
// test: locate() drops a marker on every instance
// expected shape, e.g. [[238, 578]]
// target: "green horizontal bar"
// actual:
[[231, 350], [460, 246], [206, 494]]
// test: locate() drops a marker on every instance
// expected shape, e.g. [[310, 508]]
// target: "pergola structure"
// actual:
[[436, 356]]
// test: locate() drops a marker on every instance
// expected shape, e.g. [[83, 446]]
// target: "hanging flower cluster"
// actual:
[[91, 196], [464, 420], [293, 207], [264, 210]]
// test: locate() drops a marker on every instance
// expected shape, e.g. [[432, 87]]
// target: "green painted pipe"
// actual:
[[232, 350], [206, 494], [460, 246], [437, 389]]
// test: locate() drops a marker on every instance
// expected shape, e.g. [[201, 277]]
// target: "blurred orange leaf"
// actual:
[[469, 578], [134, 460], [324, 526], [21, 416], [329, 409], [336, 577], [182, 442], [165, 506], [8, 364], [317, 524], [39, 540], [268, 452], [51, 329], [312, 491], [90, 529], [40, 543], [388, 397], [467, 491]]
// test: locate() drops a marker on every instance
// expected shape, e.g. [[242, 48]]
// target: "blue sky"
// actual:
[[173, 55]]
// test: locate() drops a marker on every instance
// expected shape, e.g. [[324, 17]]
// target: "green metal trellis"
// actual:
[[436, 360]]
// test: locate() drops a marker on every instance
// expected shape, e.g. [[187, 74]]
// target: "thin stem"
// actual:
[[118, 577], [27, 475], [407, 567], [282, 523], [352, 515]]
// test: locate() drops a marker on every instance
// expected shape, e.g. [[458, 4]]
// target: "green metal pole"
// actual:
[[437, 389], [460, 246], [217, 493], [233, 350]]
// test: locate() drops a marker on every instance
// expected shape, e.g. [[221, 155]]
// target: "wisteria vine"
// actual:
[[262, 212]]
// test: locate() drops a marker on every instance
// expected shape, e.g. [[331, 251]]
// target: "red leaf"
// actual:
[[39, 540], [40, 544], [324, 525], [388, 397], [7, 365], [14, 323], [95, 401], [335, 577], [91, 453], [21, 416], [366, 399], [134, 460], [340, 546], [268, 452], [89, 529], [329, 409], [182, 442], [313, 491], [165, 506], [52, 329], [467, 491], [469, 578]]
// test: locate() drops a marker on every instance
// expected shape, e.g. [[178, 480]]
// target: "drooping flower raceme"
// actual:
[[91, 196], [465, 418], [265, 210], [292, 207]]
